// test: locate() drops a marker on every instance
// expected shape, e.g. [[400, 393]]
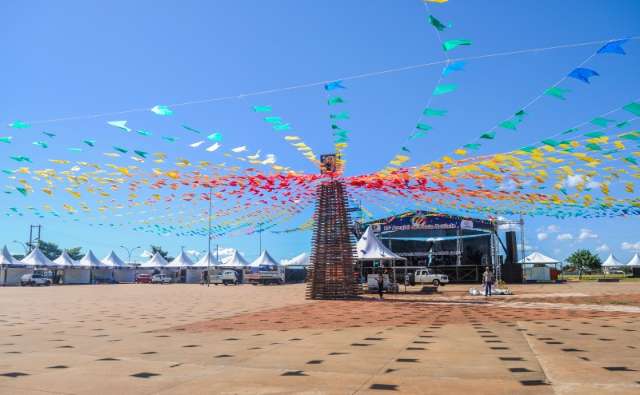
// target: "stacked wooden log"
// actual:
[[331, 275]]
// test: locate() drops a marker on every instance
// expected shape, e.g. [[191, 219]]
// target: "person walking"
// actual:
[[487, 279], [380, 285]]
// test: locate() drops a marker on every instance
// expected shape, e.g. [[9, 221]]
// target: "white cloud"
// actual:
[[603, 248], [553, 229], [193, 253], [543, 236], [146, 254], [630, 246], [224, 254], [593, 184], [574, 181], [587, 234], [565, 236]]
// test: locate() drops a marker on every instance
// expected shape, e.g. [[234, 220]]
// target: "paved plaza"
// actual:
[[577, 338]]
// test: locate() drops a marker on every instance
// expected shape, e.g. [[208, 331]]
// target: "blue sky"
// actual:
[[73, 58]]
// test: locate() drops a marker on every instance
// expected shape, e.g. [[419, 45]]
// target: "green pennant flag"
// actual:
[[341, 115], [488, 135], [284, 126], [405, 149], [162, 110], [631, 159], [6, 140], [20, 158], [19, 125], [550, 142], [593, 147], [23, 191], [472, 146], [510, 124], [569, 131], [444, 89], [417, 134], [141, 153], [602, 122], [423, 126], [189, 128], [145, 133], [557, 92], [335, 100], [90, 143], [453, 44], [262, 108], [41, 144], [434, 112], [594, 134], [216, 137], [275, 120], [119, 149], [633, 108], [437, 24]]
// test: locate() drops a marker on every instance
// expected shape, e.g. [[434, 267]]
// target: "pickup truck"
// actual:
[[225, 277], [426, 276], [35, 279], [266, 275]]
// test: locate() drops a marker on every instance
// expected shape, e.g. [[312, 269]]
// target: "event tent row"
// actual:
[[90, 269]]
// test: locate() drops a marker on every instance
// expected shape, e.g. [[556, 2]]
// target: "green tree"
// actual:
[[582, 260], [50, 250], [75, 253], [159, 250]]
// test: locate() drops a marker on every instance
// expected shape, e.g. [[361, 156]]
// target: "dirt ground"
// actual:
[[574, 338]]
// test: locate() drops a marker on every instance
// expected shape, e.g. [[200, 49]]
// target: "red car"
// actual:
[[143, 278]]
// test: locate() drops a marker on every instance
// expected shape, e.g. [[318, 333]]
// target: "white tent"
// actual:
[[122, 272], [194, 273], [206, 261], [538, 258], [635, 261], [180, 264], [611, 261], [370, 248], [74, 273], [37, 259], [157, 261], [182, 261], [537, 268], [100, 272], [11, 269], [264, 260], [299, 260], [236, 261]]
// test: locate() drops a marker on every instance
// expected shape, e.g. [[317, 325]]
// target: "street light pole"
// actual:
[[129, 252], [209, 238]]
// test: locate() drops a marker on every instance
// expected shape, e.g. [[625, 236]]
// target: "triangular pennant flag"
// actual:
[[583, 74]]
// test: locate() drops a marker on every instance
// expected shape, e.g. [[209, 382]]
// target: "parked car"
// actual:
[[161, 279], [426, 276], [616, 271], [35, 279], [225, 277], [143, 278]]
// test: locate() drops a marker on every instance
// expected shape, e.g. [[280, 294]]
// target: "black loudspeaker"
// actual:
[[512, 248], [512, 274]]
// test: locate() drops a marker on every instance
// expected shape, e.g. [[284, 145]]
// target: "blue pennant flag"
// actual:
[[334, 85], [614, 47], [457, 66], [583, 74]]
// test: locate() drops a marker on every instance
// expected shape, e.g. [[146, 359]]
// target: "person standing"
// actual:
[[380, 285], [487, 279]]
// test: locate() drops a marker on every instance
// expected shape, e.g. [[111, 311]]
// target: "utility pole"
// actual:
[[259, 238], [209, 237]]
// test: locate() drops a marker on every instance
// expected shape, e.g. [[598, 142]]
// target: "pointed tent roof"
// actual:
[[156, 260], [37, 258], [612, 262], [369, 247], [207, 260], [635, 261], [182, 260], [537, 257], [299, 260], [236, 260], [64, 260], [90, 260], [264, 260], [113, 260], [6, 259]]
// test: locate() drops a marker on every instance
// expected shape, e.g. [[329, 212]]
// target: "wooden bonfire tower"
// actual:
[[331, 275]]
